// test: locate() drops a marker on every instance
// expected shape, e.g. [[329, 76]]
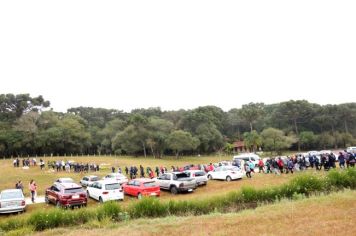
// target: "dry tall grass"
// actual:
[[324, 215]]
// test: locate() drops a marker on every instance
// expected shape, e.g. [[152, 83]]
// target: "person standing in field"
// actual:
[[247, 170], [19, 185], [33, 189]]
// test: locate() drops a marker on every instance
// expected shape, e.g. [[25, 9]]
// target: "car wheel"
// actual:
[[228, 178], [139, 196], [101, 200], [58, 204], [210, 177], [46, 199], [174, 190]]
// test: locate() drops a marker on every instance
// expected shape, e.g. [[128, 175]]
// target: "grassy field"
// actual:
[[9, 176], [320, 215]]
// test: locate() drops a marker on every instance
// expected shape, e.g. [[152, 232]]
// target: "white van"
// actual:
[[351, 149], [247, 157]]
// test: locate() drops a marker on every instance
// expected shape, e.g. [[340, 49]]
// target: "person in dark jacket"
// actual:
[[142, 172], [341, 158]]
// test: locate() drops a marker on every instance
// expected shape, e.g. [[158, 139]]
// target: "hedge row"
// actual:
[[247, 197]]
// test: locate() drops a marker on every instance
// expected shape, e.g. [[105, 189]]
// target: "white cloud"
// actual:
[[178, 54]]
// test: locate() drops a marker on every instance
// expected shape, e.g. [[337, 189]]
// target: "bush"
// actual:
[[110, 210], [148, 207]]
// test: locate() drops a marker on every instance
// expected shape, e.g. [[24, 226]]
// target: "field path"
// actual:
[[39, 199]]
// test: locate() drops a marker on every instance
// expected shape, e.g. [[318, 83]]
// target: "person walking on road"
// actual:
[[33, 189]]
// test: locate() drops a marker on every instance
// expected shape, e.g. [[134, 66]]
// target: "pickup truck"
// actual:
[[176, 182]]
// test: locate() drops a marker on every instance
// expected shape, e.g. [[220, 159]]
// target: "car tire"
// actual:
[[101, 200], [174, 190], [58, 204], [210, 177], [228, 178], [139, 196]]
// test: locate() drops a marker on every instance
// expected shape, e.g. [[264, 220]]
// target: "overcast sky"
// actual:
[[178, 54]]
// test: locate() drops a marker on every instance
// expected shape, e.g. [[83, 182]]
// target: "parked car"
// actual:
[[12, 200], [176, 182], [142, 187], [351, 150], [66, 195], [86, 180], [247, 157], [105, 190], [227, 173], [64, 180], [199, 176], [120, 178]]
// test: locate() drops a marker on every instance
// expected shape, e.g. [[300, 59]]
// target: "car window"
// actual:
[[253, 159], [167, 177], [112, 186], [94, 179], [137, 184], [99, 185], [181, 175], [188, 174], [149, 184], [11, 195], [132, 182], [199, 173], [85, 179], [73, 190]]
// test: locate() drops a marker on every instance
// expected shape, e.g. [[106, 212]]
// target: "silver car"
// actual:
[[199, 175], [12, 200]]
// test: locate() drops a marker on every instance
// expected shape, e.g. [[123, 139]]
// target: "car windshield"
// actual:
[[112, 186], [94, 179], [73, 190], [149, 184], [11, 195], [181, 175], [66, 180]]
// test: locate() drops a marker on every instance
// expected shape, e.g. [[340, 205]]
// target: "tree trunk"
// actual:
[[177, 154], [297, 133], [333, 132], [251, 126], [346, 128], [153, 153], [144, 149]]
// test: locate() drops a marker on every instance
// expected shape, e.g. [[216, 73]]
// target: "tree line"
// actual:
[[28, 126]]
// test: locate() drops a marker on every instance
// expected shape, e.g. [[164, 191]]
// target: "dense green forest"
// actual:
[[28, 126]]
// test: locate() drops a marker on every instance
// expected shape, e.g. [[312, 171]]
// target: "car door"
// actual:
[[129, 186], [94, 191]]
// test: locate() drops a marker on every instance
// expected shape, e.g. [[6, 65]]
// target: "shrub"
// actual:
[[110, 210], [12, 224], [148, 207]]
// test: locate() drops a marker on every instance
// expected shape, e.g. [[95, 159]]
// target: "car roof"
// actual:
[[193, 171], [11, 190], [91, 176], [69, 185], [106, 181], [143, 180], [65, 178]]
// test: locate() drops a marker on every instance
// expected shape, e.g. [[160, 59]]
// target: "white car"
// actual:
[[86, 180], [12, 200], [199, 175], [227, 173], [120, 178], [65, 180], [105, 190], [247, 157]]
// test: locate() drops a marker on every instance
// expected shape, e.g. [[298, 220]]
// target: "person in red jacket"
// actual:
[[260, 166]]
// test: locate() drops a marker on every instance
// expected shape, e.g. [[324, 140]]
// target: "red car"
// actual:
[[66, 195], [141, 187]]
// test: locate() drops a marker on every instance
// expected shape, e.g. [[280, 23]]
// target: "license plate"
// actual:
[[153, 194], [11, 204], [190, 190], [75, 196]]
